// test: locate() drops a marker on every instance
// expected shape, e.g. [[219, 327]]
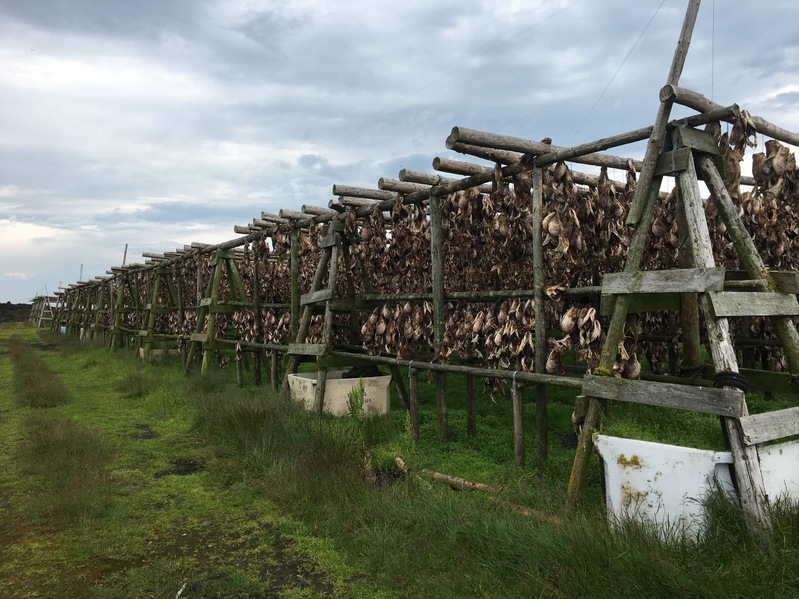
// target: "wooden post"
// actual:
[[664, 110], [413, 392], [239, 370], [274, 371], [749, 256], [319, 397], [471, 407], [151, 315], [635, 254], [436, 262], [216, 279], [295, 284], [256, 281], [542, 427], [305, 319], [640, 215], [116, 333], [751, 489], [689, 304], [518, 424], [396, 376]]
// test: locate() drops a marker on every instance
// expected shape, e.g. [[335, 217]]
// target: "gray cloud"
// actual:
[[161, 123]]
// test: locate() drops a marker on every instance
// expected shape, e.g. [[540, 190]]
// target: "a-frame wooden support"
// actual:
[[210, 305], [765, 299], [331, 246], [162, 279], [334, 250]]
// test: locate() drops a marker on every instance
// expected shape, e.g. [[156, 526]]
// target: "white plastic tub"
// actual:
[[377, 394], [664, 484], [661, 484]]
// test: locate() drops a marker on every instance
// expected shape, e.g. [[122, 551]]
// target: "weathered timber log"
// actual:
[[751, 488], [655, 143], [492, 373], [318, 211], [471, 407], [517, 396], [614, 334], [437, 275], [462, 484], [413, 401], [700, 103], [362, 192], [540, 349], [400, 186], [535, 148]]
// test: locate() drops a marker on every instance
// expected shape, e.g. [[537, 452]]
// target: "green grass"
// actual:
[[284, 503], [36, 385]]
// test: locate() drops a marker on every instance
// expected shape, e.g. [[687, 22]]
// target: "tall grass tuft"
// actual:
[[36, 386], [68, 464], [137, 383]]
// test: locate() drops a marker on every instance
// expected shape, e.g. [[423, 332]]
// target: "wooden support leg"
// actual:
[[396, 376], [471, 407], [319, 397], [541, 426], [441, 405], [518, 425], [413, 398], [257, 373], [748, 475], [274, 370]]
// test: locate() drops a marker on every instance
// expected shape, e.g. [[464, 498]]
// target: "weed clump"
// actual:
[[136, 383], [35, 384], [68, 467]]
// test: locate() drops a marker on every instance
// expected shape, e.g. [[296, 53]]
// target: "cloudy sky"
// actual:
[[161, 122]]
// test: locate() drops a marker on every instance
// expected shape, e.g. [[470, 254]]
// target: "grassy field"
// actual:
[[124, 480]]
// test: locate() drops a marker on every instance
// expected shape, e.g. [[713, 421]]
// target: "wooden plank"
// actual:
[[786, 281], [680, 280], [753, 303], [672, 162], [698, 140], [719, 402], [770, 426], [328, 241], [223, 309], [206, 301], [643, 302], [315, 297], [345, 304], [307, 349], [199, 337], [748, 475]]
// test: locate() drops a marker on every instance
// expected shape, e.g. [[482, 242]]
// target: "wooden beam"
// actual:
[[681, 280], [362, 192], [770, 426], [654, 146], [751, 488], [719, 402], [536, 148], [700, 103], [753, 303]]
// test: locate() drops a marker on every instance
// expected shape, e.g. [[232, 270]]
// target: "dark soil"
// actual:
[[181, 467], [145, 432]]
